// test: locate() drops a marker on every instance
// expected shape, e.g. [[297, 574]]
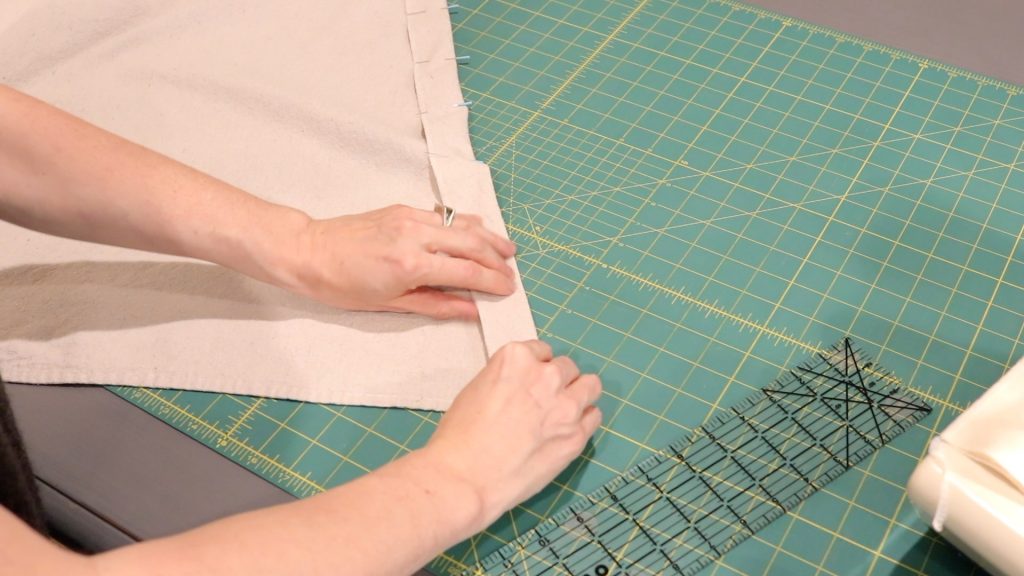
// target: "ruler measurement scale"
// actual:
[[680, 509]]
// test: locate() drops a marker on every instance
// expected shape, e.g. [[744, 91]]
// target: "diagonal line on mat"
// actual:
[[783, 206], [572, 77], [844, 150], [711, 308]]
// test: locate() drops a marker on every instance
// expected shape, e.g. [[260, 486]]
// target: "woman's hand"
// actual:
[[63, 176], [509, 432], [396, 259], [516, 425]]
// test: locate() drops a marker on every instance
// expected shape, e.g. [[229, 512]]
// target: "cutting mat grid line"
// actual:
[[703, 191], [966, 295]]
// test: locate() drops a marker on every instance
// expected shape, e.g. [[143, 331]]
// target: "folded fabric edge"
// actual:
[[462, 182], [70, 375]]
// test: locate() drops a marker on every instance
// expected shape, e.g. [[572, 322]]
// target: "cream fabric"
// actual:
[[332, 107]]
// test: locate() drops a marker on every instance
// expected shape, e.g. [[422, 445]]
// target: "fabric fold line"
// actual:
[[462, 181]]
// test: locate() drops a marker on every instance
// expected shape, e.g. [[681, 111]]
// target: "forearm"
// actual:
[[392, 521], [60, 175], [509, 431]]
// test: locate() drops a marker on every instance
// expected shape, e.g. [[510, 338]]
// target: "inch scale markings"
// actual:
[[681, 509]]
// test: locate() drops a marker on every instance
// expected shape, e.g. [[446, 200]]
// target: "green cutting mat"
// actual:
[[703, 193]]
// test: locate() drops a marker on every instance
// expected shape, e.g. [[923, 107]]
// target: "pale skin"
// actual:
[[509, 432]]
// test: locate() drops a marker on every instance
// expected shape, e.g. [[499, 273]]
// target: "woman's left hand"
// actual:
[[399, 259]]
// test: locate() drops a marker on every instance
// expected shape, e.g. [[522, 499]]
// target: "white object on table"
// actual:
[[970, 486]]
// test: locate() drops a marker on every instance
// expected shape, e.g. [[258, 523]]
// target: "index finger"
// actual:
[[473, 223], [470, 245], [541, 350], [461, 273]]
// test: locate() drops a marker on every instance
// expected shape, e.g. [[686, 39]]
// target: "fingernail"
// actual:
[[511, 247], [509, 272]]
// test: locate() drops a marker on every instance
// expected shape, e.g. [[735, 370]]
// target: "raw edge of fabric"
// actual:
[[462, 181], [43, 374]]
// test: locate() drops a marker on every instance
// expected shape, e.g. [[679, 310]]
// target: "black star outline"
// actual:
[[839, 380]]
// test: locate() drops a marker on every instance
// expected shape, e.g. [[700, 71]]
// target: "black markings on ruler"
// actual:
[[684, 507]]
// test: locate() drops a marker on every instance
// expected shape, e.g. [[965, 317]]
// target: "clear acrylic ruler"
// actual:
[[684, 507]]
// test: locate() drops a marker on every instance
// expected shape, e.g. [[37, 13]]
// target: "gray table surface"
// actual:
[[985, 36], [111, 474]]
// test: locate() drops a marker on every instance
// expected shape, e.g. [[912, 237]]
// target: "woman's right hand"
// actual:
[[396, 259], [519, 423]]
